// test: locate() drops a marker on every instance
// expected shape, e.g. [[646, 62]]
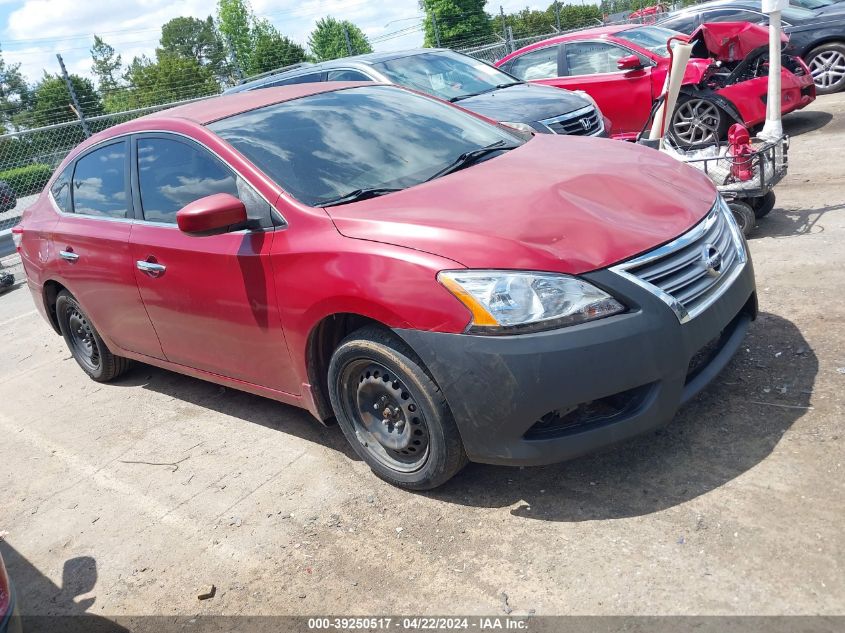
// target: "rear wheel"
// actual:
[[85, 343], [744, 216], [698, 121], [762, 206], [827, 65], [392, 412]]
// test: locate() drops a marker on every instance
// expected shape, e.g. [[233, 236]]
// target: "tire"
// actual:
[[827, 65], [762, 206], [698, 121], [85, 344], [392, 412], [744, 216]]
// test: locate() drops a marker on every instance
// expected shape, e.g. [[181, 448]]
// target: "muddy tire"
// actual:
[[392, 412]]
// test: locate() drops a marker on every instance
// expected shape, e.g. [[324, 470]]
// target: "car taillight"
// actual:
[[17, 236], [5, 591]]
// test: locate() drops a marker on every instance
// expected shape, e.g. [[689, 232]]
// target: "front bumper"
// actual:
[[510, 395]]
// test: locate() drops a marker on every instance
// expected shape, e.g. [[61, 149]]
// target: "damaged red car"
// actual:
[[624, 67]]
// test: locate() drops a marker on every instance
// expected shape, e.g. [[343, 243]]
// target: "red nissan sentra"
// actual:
[[447, 288]]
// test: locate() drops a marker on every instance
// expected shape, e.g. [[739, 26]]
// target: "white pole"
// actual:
[[773, 128]]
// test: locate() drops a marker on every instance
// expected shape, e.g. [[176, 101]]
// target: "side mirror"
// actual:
[[211, 215], [629, 62]]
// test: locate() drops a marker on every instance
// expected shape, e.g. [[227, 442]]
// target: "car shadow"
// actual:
[[45, 607], [238, 404], [804, 121], [727, 430], [791, 222]]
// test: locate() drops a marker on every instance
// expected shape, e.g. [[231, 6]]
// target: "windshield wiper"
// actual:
[[359, 194], [497, 87], [473, 156]]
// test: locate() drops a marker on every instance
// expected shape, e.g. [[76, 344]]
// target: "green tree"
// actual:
[[170, 78], [105, 63], [195, 38], [458, 21], [52, 103], [272, 50], [328, 41], [235, 21], [15, 94]]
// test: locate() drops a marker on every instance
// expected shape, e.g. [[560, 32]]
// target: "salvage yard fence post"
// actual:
[[77, 109]]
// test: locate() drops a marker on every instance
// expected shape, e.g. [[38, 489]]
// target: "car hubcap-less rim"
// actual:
[[697, 121], [82, 339], [387, 420], [828, 68]]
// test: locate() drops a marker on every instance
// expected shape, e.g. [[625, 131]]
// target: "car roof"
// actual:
[[220, 107], [717, 4], [368, 59]]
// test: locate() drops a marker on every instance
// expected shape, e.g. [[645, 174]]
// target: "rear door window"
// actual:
[[100, 184], [685, 23], [300, 79], [346, 75], [539, 64]]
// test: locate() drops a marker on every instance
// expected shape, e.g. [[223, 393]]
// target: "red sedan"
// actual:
[[447, 288], [624, 67]]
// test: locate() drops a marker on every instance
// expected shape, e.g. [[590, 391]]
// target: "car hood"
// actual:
[[729, 41], [524, 103], [557, 203]]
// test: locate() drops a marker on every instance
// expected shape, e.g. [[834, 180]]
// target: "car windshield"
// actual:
[[444, 74], [326, 146], [651, 38]]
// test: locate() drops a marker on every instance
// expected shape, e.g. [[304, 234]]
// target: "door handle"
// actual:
[[151, 268], [68, 255]]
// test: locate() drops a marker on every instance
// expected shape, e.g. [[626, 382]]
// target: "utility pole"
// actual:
[[76, 107], [436, 30], [557, 14], [348, 41], [504, 24], [511, 44]]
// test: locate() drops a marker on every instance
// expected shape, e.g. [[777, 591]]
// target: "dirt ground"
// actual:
[[127, 498]]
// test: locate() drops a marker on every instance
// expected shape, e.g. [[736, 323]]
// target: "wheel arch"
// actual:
[[50, 291], [832, 38], [323, 339]]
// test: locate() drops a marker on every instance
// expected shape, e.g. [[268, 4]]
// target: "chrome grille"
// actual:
[[583, 122], [692, 271]]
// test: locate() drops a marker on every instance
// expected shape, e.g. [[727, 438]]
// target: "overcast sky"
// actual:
[[33, 31]]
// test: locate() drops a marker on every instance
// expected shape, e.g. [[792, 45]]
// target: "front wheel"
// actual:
[[827, 65], [392, 412], [698, 121], [744, 216], [85, 343]]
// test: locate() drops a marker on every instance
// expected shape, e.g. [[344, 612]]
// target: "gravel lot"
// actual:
[[127, 498]]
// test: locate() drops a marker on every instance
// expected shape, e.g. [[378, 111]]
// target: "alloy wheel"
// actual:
[[828, 68], [387, 419], [696, 121]]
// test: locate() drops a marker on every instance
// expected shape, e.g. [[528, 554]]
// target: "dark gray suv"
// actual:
[[472, 83]]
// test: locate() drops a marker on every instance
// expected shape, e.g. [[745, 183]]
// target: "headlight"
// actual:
[[522, 127], [504, 301]]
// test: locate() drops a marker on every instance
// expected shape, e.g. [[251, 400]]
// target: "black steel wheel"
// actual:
[[744, 216], [85, 344], [763, 205], [392, 412]]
